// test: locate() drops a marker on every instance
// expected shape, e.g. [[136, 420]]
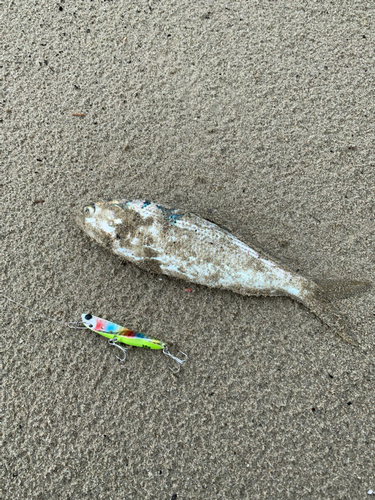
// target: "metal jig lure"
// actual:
[[116, 333]]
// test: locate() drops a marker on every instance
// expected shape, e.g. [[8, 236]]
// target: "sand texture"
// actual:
[[258, 115]]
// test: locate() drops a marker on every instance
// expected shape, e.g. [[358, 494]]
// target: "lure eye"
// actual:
[[89, 209], [88, 316]]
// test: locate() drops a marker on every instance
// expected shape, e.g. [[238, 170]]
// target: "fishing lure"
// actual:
[[116, 333]]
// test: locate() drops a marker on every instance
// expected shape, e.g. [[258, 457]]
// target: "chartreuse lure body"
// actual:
[[117, 333]]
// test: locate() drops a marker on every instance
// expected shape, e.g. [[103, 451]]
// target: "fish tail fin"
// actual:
[[319, 303], [342, 289]]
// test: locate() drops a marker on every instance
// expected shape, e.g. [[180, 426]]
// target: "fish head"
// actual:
[[98, 220], [132, 230]]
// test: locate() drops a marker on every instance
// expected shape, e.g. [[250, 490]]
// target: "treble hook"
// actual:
[[114, 342], [178, 361]]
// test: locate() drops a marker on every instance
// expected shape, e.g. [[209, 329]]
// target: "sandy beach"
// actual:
[[259, 116]]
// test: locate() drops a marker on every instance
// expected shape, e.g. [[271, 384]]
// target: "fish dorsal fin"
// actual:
[[219, 225]]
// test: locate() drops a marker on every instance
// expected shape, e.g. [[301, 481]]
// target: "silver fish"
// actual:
[[185, 246]]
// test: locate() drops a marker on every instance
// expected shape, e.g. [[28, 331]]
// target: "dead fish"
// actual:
[[186, 246]]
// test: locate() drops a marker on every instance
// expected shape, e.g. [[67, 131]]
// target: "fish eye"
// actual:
[[89, 209], [88, 316]]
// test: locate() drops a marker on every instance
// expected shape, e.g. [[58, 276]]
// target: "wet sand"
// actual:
[[258, 116]]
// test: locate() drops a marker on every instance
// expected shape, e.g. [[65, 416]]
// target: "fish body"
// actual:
[[186, 246]]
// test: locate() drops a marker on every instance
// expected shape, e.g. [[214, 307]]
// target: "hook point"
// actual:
[[113, 342], [178, 361]]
